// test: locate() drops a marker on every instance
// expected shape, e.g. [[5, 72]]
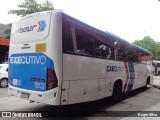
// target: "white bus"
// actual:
[[156, 64], [59, 60]]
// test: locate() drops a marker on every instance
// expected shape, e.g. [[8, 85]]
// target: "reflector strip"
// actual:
[[40, 95]]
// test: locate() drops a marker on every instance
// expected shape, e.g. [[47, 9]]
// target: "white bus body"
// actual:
[[49, 64]]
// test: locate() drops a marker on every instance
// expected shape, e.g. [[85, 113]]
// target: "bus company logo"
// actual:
[[41, 27], [28, 60], [113, 68]]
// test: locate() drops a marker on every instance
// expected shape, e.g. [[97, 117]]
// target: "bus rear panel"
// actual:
[[32, 63]]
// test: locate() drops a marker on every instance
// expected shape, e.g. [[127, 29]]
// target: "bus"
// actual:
[[156, 65], [59, 60]]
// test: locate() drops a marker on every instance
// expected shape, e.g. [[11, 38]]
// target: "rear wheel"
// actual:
[[4, 82], [147, 82], [117, 92]]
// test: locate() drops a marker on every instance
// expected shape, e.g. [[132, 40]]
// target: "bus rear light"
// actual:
[[40, 95], [51, 79]]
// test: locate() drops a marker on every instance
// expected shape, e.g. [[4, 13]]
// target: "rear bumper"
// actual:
[[51, 97]]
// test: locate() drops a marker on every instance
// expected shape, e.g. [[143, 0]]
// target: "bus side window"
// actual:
[[135, 55], [84, 41], [132, 55], [69, 36], [120, 52], [102, 49]]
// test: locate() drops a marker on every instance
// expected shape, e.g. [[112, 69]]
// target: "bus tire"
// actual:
[[117, 91], [147, 82], [4, 82]]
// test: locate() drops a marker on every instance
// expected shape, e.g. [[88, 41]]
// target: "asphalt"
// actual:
[[153, 109], [156, 82]]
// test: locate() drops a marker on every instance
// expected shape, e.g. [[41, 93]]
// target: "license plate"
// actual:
[[24, 95]]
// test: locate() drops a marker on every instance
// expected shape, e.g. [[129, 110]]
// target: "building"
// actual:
[[4, 48]]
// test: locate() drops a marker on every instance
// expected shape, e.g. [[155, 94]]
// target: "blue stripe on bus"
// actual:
[[131, 76]]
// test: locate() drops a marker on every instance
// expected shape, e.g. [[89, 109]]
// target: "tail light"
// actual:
[[52, 81]]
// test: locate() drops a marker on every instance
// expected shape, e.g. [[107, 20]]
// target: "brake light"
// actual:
[[52, 81], [39, 95]]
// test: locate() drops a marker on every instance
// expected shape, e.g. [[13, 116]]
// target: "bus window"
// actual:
[[102, 49], [120, 52], [84, 41], [126, 53], [69, 33], [135, 55]]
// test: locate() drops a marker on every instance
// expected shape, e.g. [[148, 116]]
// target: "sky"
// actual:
[[129, 19]]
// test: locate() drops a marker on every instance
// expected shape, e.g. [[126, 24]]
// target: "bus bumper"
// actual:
[[48, 97]]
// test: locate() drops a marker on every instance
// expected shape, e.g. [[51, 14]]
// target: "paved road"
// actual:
[[4, 92], [137, 101], [156, 81]]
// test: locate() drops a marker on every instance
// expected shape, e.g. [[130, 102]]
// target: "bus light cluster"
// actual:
[[51, 79]]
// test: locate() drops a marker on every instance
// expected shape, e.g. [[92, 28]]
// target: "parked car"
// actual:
[[3, 75]]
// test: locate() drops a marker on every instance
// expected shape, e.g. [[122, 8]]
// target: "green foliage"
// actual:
[[31, 6], [149, 44], [47, 5], [158, 50], [6, 32]]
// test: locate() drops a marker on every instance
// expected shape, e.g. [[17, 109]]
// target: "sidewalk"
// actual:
[[156, 82]]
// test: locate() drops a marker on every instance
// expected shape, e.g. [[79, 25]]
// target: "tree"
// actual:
[[47, 5], [6, 32], [149, 44], [158, 49], [31, 6]]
